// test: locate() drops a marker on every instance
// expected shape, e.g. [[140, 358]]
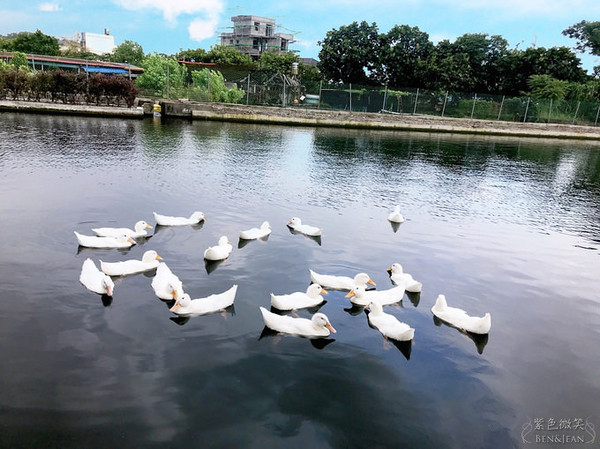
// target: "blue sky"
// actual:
[[170, 25]]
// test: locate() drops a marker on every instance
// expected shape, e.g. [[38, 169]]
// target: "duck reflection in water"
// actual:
[[317, 343], [480, 340]]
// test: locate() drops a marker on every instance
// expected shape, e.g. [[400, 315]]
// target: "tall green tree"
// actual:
[[128, 52], [221, 54], [404, 56], [159, 69], [587, 35], [350, 54], [278, 63], [193, 55], [38, 43]]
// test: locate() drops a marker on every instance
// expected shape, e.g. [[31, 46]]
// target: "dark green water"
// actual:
[[510, 227]]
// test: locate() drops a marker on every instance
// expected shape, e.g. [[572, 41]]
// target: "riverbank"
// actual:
[[37, 107], [387, 121], [299, 116]]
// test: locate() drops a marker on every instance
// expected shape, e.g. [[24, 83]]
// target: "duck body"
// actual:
[[165, 284], [256, 233], [396, 216], [296, 224], [202, 306], [299, 300], [398, 276], [166, 220], [340, 282], [139, 230], [388, 324], [95, 280], [91, 241], [220, 251], [150, 260], [317, 326], [362, 297], [460, 319]]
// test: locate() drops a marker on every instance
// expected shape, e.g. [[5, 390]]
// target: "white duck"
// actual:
[[95, 280], [398, 276], [459, 318], [139, 230], [388, 324], [166, 220], [340, 282], [296, 224], [220, 251], [165, 284], [150, 260], [396, 216], [298, 300], [317, 326], [201, 306], [256, 233], [92, 241], [361, 297]]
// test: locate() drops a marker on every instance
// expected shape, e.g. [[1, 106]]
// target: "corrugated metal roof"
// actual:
[[90, 69]]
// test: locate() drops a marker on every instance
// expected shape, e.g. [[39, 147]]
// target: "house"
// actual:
[[255, 35]]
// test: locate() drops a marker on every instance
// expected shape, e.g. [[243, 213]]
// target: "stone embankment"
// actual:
[[301, 116]]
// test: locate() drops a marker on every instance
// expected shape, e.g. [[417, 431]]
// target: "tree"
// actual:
[[221, 54], [156, 67], [404, 55], [587, 35], [19, 60], [546, 87], [211, 83], [197, 55], [37, 43], [557, 62], [449, 71], [350, 54], [278, 63], [128, 52]]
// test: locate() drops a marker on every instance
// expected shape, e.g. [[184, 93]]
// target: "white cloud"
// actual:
[[48, 7], [171, 9], [200, 29]]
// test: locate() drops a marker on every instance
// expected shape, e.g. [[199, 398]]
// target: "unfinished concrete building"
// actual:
[[255, 35]]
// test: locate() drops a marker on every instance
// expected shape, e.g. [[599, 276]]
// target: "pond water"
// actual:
[[506, 226]]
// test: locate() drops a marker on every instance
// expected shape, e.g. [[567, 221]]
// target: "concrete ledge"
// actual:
[[70, 109], [394, 122]]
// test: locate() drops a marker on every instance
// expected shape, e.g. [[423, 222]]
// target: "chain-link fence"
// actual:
[[260, 88]]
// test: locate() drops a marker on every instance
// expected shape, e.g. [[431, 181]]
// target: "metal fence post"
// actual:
[[350, 97], [283, 103], [416, 101], [576, 111], [248, 90], [597, 114], [384, 97], [473, 108], [320, 93], [501, 105], [526, 109], [549, 111], [445, 100]]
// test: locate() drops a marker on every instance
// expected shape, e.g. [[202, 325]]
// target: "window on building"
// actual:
[[256, 26], [255, 43], [269, 29]]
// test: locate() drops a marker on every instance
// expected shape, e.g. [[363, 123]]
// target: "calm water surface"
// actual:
[[510, 227]]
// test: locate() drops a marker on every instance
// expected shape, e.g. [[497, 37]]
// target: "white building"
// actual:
[[97, 43]]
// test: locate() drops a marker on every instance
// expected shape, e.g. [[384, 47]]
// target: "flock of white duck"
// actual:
[[167, 285]]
